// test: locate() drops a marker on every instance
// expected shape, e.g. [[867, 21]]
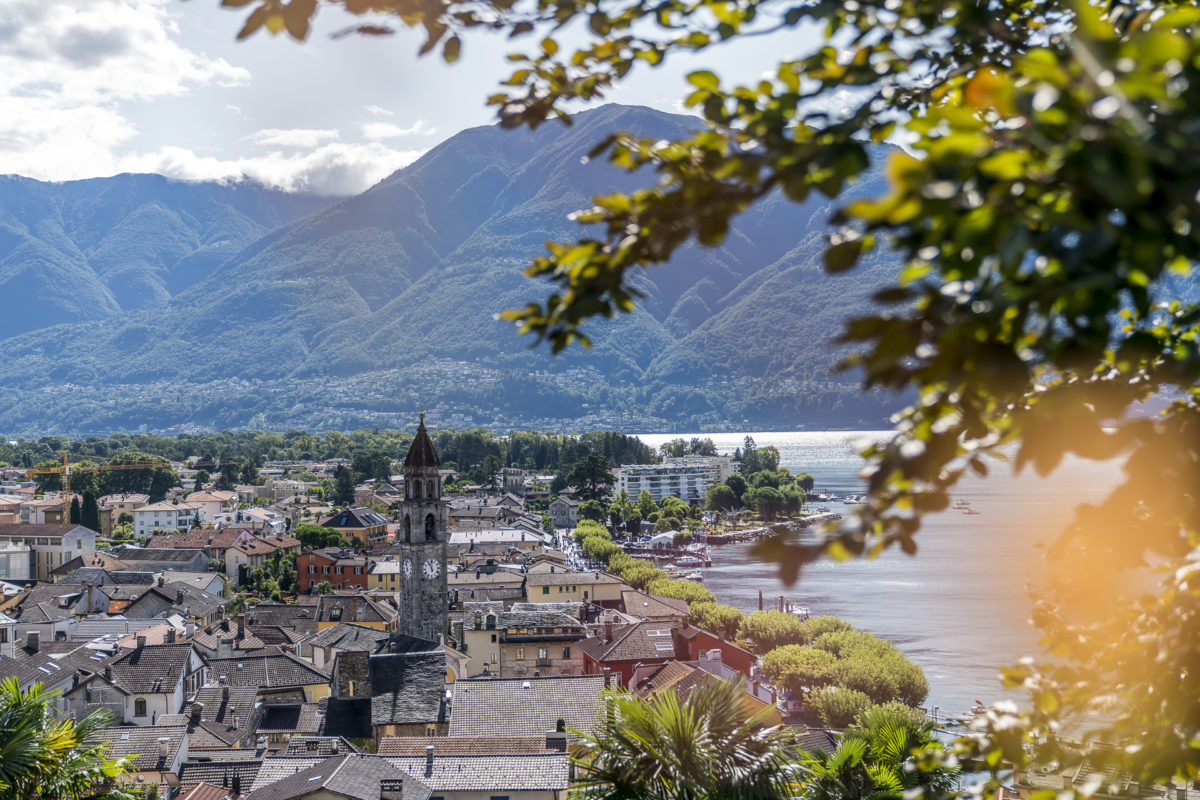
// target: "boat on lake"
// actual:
[[689, 561]]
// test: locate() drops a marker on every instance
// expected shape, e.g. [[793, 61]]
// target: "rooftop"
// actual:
[[528, 707]]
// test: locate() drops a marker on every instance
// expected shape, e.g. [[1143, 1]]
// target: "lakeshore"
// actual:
[[960, 607], [773, 529]]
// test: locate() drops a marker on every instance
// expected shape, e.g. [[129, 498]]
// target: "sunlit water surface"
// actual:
[[960, 607]]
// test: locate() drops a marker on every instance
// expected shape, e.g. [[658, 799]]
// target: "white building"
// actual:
[[52, 545], [213, 503], [687, 478], [16, 562], [166, 517]]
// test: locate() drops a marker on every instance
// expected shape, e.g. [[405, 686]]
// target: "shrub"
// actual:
[[719, 619], [800, 668], [681, 590], [816, 626], [771, 629], [838, 707]]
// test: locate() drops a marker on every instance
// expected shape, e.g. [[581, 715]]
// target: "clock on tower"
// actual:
[[424, 598]]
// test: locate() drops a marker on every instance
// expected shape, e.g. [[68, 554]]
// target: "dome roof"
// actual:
[[421, 454]]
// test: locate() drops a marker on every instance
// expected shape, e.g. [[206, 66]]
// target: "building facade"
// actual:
[[687, 478], [52, 545]]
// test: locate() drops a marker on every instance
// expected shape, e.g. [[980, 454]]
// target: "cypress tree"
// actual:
[[74, 518], [89, 514]]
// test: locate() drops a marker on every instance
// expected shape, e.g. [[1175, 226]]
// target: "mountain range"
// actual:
[[142, 302]]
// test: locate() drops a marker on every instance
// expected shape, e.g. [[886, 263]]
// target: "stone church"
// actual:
[[424, 596]]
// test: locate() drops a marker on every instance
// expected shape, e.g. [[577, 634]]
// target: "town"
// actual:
[[428, 638]]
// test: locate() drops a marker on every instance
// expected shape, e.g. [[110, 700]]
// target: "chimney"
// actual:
[[391, 789], [189, 628], [170, 636], [197, 712], [108, 672], [179, 596], [241, 619], [163, 741], [141, 642], [428, 755], [225, 694], [608, 632], [33, 641], [556, 740], [162, 581], [478, 620]]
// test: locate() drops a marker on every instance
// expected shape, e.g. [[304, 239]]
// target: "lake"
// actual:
[[960, 607]]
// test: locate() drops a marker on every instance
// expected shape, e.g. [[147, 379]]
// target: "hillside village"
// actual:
[[449, 646]]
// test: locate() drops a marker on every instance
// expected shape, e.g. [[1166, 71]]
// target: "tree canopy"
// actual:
[[1045, 217]]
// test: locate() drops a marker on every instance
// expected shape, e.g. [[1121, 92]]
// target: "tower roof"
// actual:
[[421, 453]]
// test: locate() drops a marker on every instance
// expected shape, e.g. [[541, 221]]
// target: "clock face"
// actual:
[[431, 568], [408, 568]]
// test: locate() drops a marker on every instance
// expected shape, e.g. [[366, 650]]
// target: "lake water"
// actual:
[[959, 607]]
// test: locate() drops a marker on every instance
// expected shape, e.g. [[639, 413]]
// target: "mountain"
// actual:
[[89, 249], [199, 306]]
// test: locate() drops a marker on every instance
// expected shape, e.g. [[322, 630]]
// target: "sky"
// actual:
[[93, 88]]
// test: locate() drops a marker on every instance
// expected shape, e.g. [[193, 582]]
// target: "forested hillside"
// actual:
[[395, 292]]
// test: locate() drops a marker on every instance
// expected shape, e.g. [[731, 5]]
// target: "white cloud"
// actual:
[[376, 131], [305, 138], [336, 168], [380, 111], [67, 67]]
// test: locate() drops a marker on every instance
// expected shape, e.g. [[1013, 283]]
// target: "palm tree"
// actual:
[[846, 774], [704, 748], [43, 757], [876, 759]]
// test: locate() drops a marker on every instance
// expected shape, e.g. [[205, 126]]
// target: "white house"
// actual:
[[141, 685], [165, 517], [565, 512]]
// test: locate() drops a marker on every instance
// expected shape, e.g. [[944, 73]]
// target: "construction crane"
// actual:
[[67, 469]]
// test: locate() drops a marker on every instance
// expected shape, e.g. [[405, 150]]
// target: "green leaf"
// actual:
[[704, 79], [842, 257]]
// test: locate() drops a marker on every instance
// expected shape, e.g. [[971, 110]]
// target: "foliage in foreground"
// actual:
[[43, 756], [1049, 230], [704, 747]]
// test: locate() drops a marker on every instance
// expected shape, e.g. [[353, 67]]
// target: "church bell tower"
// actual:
[[424, 601]]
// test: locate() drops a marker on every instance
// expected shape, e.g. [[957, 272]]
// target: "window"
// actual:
[[493, 638], [520, 654], [339, 570], [543, 652], [325, 570], [566, 653], [430, 528], [358, 570], [545, 590], [139, 707], [311, 569]]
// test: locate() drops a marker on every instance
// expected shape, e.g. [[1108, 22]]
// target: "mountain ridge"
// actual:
[[413, 271]]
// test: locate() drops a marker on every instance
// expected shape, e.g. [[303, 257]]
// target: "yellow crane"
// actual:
[[68, 468]]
